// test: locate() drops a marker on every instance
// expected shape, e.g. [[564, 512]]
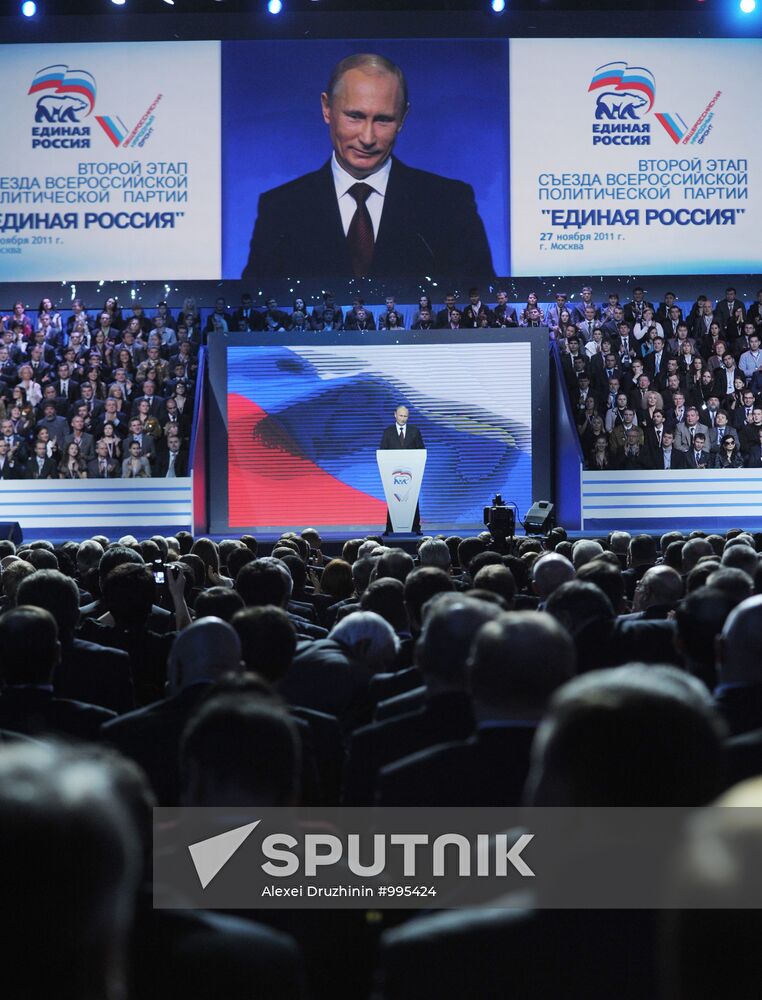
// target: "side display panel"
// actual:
[[635, 156], [111, 161]]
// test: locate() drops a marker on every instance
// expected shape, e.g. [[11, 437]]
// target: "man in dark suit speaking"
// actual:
[[402, 435], [364, 213]]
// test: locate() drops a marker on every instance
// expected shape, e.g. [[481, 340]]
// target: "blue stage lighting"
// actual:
[[274, 6], [29, 8], [748, 6], [498, 6]]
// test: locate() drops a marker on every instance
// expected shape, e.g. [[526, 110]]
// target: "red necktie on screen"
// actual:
[[402, 436], [360, 234]]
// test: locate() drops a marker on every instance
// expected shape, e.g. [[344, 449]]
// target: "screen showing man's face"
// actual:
[[364, 116]]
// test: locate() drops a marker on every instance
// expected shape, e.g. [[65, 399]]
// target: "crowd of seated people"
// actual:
[[328, 315], [109, 395], [96, 396], [653, 389], [377, 676]]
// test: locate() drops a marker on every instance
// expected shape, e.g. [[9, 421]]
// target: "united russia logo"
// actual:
[[625, 91], [67, 96], [624, 95]]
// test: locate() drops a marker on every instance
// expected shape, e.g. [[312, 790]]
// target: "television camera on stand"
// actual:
[[501, 521]]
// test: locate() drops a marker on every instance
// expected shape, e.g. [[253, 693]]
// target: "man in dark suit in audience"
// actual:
[[516, 664], [31, 652], [667, 457], [447, 714], [156, 406], [503, 314], [86, 672], [39, 466], [370, 215], [102, 467], [633, 311], [738, 694], [698, 457], [66, 387], [151, 735], [73, 863], [8, 467], [172, 462], [443, 316], [726, 307], [599, 726], [146, 441], [647, 635]]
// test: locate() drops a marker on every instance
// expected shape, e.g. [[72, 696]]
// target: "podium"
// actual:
[[401, 472]]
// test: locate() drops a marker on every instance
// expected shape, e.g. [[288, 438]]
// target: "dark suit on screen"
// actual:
[[429, 226]]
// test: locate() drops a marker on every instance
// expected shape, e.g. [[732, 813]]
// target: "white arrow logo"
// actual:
[[210, 856]]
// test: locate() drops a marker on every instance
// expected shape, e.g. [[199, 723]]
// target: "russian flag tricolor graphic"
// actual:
[[61, 80], [620, 77], [114, 128], [673, 124]]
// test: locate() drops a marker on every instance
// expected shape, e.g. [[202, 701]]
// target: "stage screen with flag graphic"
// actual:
[[306, 415]]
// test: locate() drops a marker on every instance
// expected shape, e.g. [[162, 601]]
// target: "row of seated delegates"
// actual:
[[328, 315], [585, 314], [377, 676], [583, 318]]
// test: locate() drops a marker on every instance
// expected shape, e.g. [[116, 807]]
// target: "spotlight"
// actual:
[[274, 6], [119, 3], [748, 6], [29, 8], [498, 6]]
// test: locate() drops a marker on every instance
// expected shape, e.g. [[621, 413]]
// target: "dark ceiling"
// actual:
[[79, 7]]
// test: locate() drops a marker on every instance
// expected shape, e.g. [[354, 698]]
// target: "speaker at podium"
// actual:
[[401, 472]]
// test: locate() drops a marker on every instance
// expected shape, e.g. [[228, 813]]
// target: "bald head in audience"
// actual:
[[517, 662], [660, 586], [739, 648], [549, 572], [203, 652]]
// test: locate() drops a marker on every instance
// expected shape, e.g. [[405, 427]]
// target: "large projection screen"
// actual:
[[636, 156], [299, 420]]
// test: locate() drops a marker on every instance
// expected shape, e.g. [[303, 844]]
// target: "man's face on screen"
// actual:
[[364, 117], [401, 415]]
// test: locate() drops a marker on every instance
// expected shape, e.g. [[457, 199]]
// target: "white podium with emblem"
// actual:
[[401, 472]]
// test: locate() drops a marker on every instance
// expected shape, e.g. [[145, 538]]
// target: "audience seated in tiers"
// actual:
[[74, 395], [86, 380], [695, 400], [632, 662]]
